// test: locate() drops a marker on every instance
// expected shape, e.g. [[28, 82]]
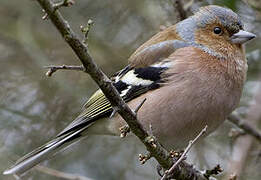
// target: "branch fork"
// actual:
[[56, 6], [124, 130], [64, 3], [183, 156]]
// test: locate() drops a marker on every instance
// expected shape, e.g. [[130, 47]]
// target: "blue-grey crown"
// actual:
[[211, 13], [207, 15]]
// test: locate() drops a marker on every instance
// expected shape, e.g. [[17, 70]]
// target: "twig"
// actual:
[[124, 130], [53, 69], [63, 3], [178, 5], [183, 156], [188, 5], [45, 16], [60, 174], [249, 129], [114, 111], [139, 106], [86, 30], [105, 84]]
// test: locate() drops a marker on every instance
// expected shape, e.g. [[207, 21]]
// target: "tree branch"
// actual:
[[178, 5], [249, 129], [183, 156], [153, 146]]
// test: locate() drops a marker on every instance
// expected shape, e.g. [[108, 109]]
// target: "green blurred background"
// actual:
[[34, 108]]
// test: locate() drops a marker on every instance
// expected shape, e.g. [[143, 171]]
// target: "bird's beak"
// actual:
[[242, 37]]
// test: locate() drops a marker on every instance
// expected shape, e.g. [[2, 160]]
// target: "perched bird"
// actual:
[[192, 74]]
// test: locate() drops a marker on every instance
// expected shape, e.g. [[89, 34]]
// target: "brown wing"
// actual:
[[160, 46]]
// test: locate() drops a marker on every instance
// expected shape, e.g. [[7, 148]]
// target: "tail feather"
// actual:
[[42, 153]]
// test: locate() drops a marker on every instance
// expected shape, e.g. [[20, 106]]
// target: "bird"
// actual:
[[191, 74]]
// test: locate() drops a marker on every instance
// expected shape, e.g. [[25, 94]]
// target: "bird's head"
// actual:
[[217, 30]]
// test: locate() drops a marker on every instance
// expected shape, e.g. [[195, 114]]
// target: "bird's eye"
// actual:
[[217, 30]]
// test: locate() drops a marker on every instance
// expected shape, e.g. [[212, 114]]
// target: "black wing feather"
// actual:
[[99, 107]]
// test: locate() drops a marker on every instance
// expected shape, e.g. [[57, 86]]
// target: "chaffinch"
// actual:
[[191, 74]]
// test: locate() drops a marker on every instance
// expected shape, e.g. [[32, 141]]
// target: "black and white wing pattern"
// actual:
[[130, 83]]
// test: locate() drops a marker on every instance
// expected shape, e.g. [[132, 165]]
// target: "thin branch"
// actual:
[[86, 30], [188, 5], [81, 50], [178, 5], [114, 111], [183, 156], [45, 16], [60, 174], [63, 3], [249, 129], [124, 130], [53, 69], [139, 106]]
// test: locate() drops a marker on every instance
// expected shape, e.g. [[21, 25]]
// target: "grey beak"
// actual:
[[242, 37]]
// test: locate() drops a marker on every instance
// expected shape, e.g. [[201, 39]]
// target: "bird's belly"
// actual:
[[182, 125], [179, 117]]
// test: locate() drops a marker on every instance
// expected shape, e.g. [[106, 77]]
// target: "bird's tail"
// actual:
[[42, 153]]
